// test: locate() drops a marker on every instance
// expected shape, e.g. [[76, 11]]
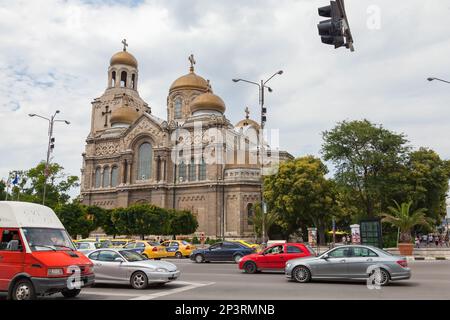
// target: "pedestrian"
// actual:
[[417, 242], [430, 239], [446, 240], [424, 239]]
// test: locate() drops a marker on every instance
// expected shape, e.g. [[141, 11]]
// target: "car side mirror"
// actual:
[[118, 260], [325, 257]]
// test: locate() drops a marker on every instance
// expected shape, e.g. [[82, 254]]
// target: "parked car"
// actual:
[[178, 248], [121, 266], [221, 251], [255, 246], [274, 257], [37, 255], [120, 243], [149, 249], [106, 243], [87, 247], [350, 262]]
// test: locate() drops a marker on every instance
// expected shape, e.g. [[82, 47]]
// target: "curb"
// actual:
[[426, 258]]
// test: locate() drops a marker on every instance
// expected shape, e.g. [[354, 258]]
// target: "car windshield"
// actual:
[[132, 256], [42, 239]]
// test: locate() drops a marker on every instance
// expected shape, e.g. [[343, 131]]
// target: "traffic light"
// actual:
[[263, 115], [52, 144], [335, 31]]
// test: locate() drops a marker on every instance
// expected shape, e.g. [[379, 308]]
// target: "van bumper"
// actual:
[[44, 286]]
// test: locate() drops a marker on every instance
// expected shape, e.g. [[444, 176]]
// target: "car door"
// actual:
[[214, 253], [272, 257], [107, 269], [362, 258], [335, 266], [229, 250], [11, 259], [172, 248]]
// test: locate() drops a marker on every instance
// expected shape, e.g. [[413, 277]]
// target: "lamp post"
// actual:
[[262, 86], [437, 79], [51, 141]]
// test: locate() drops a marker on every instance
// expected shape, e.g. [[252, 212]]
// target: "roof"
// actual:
[[27, 215]]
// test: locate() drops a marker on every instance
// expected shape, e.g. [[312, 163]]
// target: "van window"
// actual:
[[8, 236], [43, 239]]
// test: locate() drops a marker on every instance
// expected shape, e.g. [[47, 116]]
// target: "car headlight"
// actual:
[[55, 272], [161, 270], [288, 265]]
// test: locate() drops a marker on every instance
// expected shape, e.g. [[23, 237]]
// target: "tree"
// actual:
[[76, 220], [31, 185], [103, 219], [368, 159], [301, 195], [257, 220], [182, 222], [401, 217], [140, 219]]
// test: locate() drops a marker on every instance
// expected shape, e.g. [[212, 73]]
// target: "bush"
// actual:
[[195, 240]]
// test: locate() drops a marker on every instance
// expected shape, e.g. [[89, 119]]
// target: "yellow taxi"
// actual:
[[149, 249], [178, 248], [254, 246]]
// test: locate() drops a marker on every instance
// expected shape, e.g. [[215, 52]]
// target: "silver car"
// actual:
[[122, 266], [87, 247], [352, 262]]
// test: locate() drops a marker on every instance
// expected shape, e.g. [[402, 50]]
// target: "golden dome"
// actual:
[[123, 57], [124, 114], [190, 80], [208, 101], [248, 123]]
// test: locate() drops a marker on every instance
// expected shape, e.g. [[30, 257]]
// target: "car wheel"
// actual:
[[178, 255], [23, 290], [139, 280], [199, 258], [71, 293], [250, 267], [383, 278], [301, 274], [237, 258]]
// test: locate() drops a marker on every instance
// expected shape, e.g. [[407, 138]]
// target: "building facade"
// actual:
[[195, 160]]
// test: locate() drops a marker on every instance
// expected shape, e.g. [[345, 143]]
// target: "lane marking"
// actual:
[[190, 286]]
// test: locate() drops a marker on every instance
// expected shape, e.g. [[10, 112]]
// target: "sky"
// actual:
[[54, 55]]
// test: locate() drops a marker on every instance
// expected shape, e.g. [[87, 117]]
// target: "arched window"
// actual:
[[98, 178], [123, 79], [106, 177], [202, 170], [192, 170], [178, 105], [182, 172], [133, 81], [144, 161], [113, 79], [114, 176], [250, 214]]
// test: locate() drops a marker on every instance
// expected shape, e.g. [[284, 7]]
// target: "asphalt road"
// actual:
[[223, 281]]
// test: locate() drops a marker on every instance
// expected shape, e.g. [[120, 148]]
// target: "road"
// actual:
[[223, 281]]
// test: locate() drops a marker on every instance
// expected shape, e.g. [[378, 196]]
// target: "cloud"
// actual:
[[55, 54]]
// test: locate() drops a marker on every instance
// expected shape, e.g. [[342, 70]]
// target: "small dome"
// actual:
[[248, 123], [208, 101], [125, 115], [123, 57], [190, 80]]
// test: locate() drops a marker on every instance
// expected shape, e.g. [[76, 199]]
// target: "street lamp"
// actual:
[[437, 79], [262, 86], [51, 141]]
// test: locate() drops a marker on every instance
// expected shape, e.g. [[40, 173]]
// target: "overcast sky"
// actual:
[[55, 55]]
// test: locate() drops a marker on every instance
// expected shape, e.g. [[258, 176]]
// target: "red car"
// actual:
[[274, 257]]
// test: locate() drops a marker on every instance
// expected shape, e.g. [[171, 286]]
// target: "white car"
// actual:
[[88, 247], [121, 266]]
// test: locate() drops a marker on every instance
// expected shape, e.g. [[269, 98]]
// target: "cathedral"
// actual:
[[194, 160]]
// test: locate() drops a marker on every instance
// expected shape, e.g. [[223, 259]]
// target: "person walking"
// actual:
[[417, 242], [430, 239]]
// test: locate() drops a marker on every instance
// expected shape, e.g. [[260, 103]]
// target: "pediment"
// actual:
[[145, 125]]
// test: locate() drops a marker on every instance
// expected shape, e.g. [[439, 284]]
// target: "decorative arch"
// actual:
[[114, 176], [106, 177], [144, 161], [123, 79], [178, 107], [98, 177]]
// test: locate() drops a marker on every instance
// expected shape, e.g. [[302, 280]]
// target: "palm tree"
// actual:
[[401, 217], [257, 221]]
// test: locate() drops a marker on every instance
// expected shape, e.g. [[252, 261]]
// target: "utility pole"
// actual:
[[262, 87], [50, 146]]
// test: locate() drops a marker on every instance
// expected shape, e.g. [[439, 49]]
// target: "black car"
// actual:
[[221, 251]]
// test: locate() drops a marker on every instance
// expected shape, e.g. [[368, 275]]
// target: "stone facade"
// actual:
[[134, 157]]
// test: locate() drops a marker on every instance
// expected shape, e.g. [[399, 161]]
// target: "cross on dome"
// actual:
[[125, 44], [192, 61]]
